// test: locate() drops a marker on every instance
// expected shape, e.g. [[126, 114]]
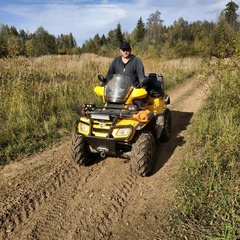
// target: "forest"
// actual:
[[153, 39]]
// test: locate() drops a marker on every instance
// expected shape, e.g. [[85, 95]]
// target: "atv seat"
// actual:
[[155, 87]]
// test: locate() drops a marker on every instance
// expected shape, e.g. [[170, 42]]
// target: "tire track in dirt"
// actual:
[[29, 196], [47, 223], [103, 213], [49, 197], [63, 205]]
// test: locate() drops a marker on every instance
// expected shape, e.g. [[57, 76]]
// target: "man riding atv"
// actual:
[[133, 117], [127, 64]]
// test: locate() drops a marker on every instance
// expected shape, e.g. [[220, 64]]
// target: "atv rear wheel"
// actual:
[[166, 133], [143, 154], [79, 150]]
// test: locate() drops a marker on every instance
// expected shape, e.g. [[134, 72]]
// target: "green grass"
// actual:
[[177, 71], [36, 97], [208, 199]]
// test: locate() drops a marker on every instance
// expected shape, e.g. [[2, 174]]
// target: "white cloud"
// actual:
[[85, 18], [84, 21]]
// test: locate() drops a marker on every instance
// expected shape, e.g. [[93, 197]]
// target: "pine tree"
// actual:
[[230, 13], [140, 30], [119, 35]]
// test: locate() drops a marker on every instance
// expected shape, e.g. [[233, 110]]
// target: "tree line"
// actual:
[[15, 43], [182, 39], [153, 38]]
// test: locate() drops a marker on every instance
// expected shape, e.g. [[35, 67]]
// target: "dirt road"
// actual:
[[47, 196]]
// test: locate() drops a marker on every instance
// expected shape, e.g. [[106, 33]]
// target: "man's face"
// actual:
[[125, 52]]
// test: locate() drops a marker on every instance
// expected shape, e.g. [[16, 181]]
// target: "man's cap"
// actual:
[[125, 45]]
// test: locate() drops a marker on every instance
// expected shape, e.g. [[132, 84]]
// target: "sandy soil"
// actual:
[[47, 196]]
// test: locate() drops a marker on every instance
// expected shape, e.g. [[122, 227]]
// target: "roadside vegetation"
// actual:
[[36, 97], [208, 199]]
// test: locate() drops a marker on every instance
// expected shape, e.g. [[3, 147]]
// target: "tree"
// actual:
[[221, 39], [103, 40], [66, 44], [42, 43], [11, 43], [29, 47], [14, 46], [139, 31], [154, 27], [72, 41], [3, 40], [201, 32], [23, 35], [97, 42], [182, 31], [115, 37], [230, 14], [119, 35]]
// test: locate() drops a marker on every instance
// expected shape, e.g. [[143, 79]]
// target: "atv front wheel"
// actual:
[[166, 133], [79, 150], [143, 154]]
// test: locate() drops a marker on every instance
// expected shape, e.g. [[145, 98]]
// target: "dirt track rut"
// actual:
[[47, 196]]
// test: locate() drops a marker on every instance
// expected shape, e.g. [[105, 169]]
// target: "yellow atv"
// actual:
[[127, 125]]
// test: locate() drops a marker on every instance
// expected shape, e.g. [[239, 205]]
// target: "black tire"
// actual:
[[79, 150], [143, 154], [166, 133]]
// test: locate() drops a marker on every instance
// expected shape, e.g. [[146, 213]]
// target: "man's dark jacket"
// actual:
[[134, 68]]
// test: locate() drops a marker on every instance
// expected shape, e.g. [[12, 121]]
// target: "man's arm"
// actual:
[[112, 67], [140, 70]]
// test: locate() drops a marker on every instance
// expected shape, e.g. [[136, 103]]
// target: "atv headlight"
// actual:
[[124, 132], [83, 128]]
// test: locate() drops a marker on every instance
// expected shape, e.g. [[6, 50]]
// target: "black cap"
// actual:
[[125, 45]]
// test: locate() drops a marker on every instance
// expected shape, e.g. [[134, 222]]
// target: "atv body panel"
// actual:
[[128, 114]]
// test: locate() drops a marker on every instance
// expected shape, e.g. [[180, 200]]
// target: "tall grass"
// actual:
[[36, 96], [208, 200], [176, 71]]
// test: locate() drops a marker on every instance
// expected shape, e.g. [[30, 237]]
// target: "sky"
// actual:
[[86, 18]]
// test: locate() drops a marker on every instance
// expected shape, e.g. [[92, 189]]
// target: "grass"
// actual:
[[176, 71], [208, 199], [37, 93], [36, 98]]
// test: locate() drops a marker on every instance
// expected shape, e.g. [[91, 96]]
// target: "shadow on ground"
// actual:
[[180, 121]]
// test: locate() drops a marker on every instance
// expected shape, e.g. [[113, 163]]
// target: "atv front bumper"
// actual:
[[102, 145]]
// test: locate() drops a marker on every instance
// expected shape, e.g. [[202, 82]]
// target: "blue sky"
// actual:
[[85, 18]]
